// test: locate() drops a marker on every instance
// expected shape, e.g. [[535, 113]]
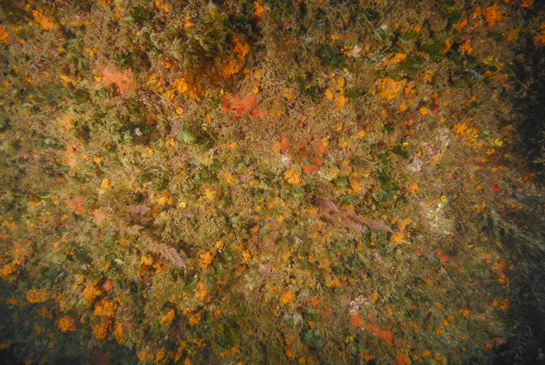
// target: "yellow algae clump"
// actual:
[[118, 332], [105, 184], [286, 297], [3, 33], [168, 317], [288, 93], [492, 15], [229, 179], [195, 319], [101, 330], [42, 20], [90, 293], [205, 259], [36, 295], [389, 88], [539, 39], [236, 58], [66, 323], [413, 188], [460, 128], [104, 308], [397, 237], [201, 291], [292, 177], [10, 270]]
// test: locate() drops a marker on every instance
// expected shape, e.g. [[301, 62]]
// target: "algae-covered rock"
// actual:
[[458, 82], [432, 48], [380, 35], [332, 56], [312, 340], [296, 192], [186, 137], [412, 65]]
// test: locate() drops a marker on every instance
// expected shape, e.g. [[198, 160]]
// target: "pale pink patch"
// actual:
[[99, 216], [75, 204], [138, 208], [70, 159], [121, 80]]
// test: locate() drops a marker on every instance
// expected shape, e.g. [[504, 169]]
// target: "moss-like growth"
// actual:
[[120, 199], [181, 183], [212, 225]]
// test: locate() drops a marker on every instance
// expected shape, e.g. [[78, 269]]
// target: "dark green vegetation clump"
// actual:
[[197, 48]]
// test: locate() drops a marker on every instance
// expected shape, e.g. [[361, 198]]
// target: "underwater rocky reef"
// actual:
[[272, 182]]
